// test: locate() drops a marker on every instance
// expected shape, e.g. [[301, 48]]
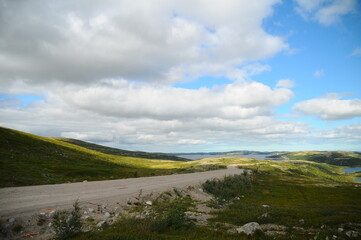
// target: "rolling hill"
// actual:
[[27, 159], [338, 158], [120, 152]]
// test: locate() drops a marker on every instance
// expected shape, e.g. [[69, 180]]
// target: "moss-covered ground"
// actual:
[[311, 201]]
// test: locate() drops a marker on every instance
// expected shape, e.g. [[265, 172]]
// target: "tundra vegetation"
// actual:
[[302, 197], [290, 200]]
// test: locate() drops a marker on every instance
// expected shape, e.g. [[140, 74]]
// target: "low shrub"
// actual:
[[67, 224], [169, 215], [229, 187]]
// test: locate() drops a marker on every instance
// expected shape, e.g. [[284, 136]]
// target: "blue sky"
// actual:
[[185, 76]]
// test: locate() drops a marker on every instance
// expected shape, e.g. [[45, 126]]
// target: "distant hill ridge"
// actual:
[[121, 152]]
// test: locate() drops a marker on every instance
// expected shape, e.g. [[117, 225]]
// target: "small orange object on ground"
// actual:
[[30, 235], [47, 209]]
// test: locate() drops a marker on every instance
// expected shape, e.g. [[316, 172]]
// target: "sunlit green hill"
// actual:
[[27, 159]]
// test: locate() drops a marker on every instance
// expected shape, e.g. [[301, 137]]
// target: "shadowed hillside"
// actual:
[[120, 152]]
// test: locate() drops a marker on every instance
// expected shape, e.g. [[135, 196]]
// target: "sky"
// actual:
[[184, 75]]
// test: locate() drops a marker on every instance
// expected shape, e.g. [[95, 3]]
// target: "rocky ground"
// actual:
[[96, 216]]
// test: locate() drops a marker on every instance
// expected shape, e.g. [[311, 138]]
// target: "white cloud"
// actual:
[[141, 116], [325, 12], [286, 83], [356, 52], [139, 40], [330, 107], [132, 100], [319, 73]]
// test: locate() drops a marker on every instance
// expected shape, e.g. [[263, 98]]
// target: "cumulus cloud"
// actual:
[[286, 83], [330, 107], [140, 40], [325, 11], [133, 100], [137, 116]]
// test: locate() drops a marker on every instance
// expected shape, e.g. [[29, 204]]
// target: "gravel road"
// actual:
[[18, 201]]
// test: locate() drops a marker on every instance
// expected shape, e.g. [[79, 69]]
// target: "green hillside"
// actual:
[[338, 158], [27, 159], [120, 152]]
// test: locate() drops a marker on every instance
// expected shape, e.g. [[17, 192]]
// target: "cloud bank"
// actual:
[[155, 40], [330, 107]]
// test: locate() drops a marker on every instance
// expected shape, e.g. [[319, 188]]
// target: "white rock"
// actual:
[[265, 215], [302, 221], [85, 213], [11, 220], [107, 215], [91, 210], [149, 203], [85, 181], [200, 189], [352, 234], [265, 206], [101, 224], [340, 229], [249, 228]]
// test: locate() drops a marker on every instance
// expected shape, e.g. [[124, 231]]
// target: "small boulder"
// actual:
[[265, 215], [107, 215], [149, 203], [101, 224], [340, 229], [91, 210], [265, 206], [302, 221], [11, 220], [352, 234], [249, 228]]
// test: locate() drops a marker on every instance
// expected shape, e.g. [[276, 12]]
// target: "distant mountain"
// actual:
[[120, 152], [339, 158], [243, 152]]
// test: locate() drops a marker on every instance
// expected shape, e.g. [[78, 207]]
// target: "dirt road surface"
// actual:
[[19, 201]]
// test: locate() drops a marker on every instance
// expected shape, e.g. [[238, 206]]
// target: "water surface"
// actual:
[[201, 156], [354, 169]]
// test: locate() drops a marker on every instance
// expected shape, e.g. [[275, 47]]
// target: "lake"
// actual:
[[200, 156], [354, 169]]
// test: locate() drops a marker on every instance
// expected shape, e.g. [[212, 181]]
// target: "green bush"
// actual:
[[67, 224], [169, 215], [229, 187]]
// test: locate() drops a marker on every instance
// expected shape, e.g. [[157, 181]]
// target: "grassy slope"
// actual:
[[120, 152], [319, 194], [339, 158], [28, 159]]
